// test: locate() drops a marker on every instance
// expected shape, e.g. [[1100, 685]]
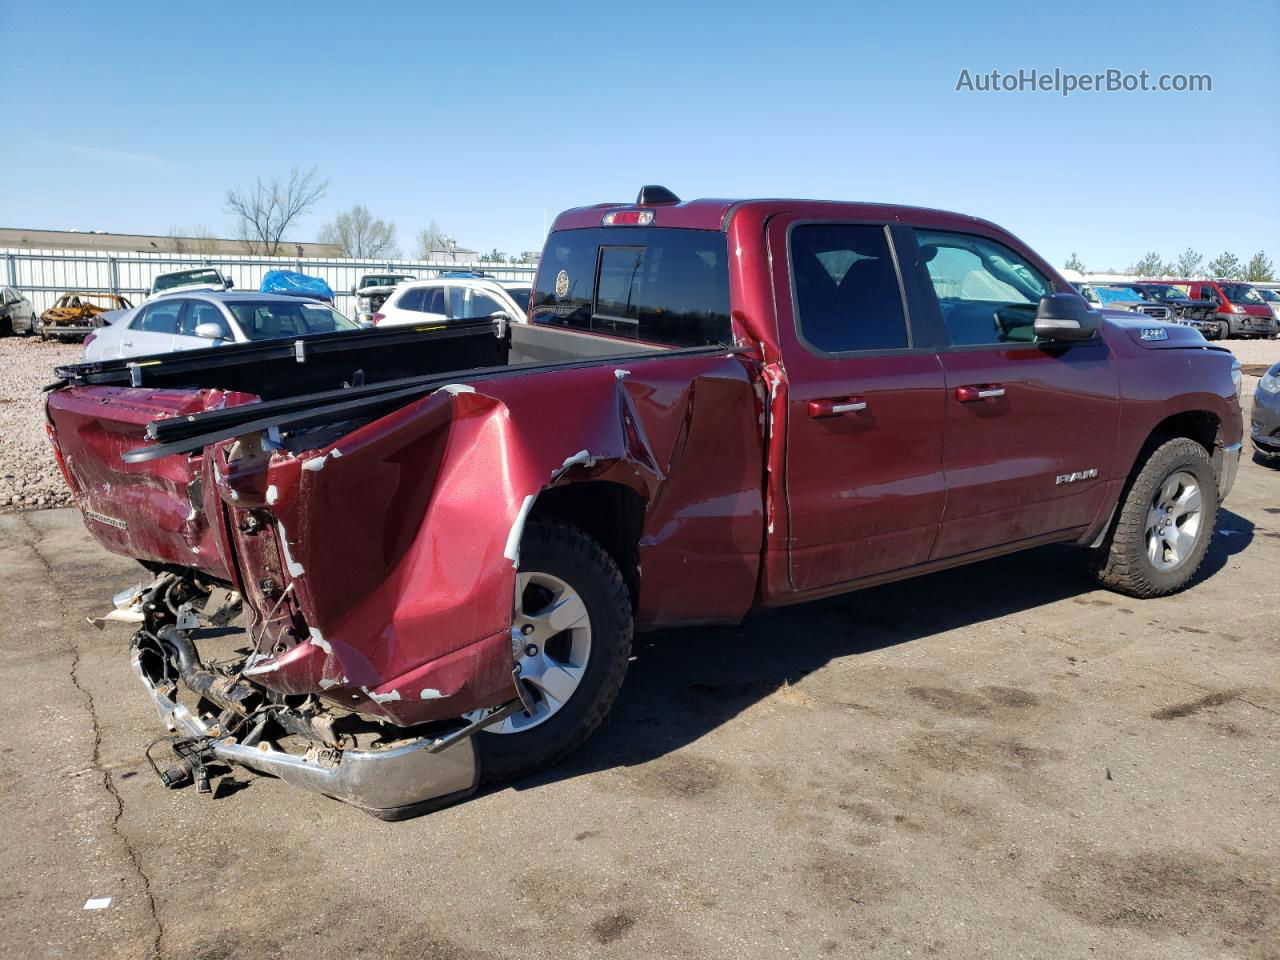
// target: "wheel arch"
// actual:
[[611, 513]]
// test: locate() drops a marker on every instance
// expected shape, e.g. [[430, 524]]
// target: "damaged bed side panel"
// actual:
[[397, 544]]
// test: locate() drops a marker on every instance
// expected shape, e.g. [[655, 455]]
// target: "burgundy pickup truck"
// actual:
[[444, 536]]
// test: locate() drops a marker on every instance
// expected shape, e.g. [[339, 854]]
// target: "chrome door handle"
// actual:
[[837, 406], [974, 393]]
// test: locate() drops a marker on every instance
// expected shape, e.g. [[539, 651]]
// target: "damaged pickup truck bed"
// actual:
[[445, 536]]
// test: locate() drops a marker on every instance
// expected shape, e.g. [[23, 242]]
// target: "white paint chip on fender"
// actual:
[[317, 463], [272, 494], [295, 569], [429, 694], [318, 639], [512, 552], [453, 389]]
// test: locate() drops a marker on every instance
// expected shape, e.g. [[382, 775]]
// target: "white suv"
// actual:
[[447, 298]]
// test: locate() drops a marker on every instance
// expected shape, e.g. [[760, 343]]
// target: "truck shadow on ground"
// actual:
[[684, 683]]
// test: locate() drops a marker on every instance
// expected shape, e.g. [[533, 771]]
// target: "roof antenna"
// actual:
[[652, 195]]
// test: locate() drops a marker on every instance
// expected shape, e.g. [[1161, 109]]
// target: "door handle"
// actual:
[[836, 406], [976, 392]]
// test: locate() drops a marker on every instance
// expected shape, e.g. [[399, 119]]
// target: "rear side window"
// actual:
[[411, 299], [160, 317], [658, 285], [846, 288]]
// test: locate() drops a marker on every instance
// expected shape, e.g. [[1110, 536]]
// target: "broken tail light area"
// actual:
[[628, 218]]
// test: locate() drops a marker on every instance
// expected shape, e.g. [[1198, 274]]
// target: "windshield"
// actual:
[[383, 279], [269, 319], [647, 283], [1240, 293], [169, 280]]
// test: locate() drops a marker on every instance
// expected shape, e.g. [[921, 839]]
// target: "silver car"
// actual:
[[16, 313], [198, 321]]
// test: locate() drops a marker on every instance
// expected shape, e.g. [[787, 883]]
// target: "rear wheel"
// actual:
[[1223, 331], [573, 622], [1165, 523]]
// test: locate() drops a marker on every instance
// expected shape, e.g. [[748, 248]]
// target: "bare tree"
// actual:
[[431, 239], [177, 236], [1074, 263], [1189, 264], [264, 213], [206, 241], [360, 234]]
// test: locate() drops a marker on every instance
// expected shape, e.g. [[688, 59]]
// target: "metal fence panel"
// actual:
[[43, 275]]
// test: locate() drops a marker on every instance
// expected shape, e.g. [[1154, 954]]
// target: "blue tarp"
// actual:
[[296, 285]]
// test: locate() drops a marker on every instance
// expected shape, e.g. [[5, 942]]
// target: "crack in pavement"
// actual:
[[108, 780]]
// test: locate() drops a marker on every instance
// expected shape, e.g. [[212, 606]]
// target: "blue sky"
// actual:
[[482, 117]]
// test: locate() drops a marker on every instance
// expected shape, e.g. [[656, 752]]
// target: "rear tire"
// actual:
[[561, 555], [1164, 525]]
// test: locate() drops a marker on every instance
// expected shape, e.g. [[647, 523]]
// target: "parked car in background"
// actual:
[[519, 291], [1193, 313], [372, 291], [75, 315], [1129, 297], [1237, 305], [202, 278], [17, 316], [1272, 300], [1264, 422], [447, 297], [201, 320]]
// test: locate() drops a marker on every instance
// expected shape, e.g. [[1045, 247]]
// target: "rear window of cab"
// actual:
[[658, 285]]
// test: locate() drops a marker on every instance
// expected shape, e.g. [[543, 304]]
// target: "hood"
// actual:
[[1155, 334]]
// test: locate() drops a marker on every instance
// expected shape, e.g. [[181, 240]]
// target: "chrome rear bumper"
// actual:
[[391, 784]]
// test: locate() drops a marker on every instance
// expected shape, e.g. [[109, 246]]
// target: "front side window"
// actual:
[[987, 294], [653, 284], [846, 288], [201, 312], [159, 317]]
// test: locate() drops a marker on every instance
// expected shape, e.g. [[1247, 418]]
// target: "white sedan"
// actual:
[[197, 321], [447, 298]]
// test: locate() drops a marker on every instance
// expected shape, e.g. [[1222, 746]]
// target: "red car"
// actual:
[[1241, 311], [446, 536]]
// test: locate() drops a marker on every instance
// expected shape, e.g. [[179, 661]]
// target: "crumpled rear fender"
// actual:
[[399, 542]]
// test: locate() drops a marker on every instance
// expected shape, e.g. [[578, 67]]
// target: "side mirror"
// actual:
[[230, 283], [146, 292], [1066, 316], [209, 331]]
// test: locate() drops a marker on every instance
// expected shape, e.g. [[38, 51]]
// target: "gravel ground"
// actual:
[[29, 477]]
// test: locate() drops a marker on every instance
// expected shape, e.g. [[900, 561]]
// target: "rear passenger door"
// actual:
[[865, 405], [1031, 427], [152, 329]]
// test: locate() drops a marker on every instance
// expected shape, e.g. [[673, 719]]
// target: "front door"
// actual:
[[1031, 427], [865, 405]]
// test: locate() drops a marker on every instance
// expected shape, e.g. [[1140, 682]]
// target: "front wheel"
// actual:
[[571, 631], [1165, 523]]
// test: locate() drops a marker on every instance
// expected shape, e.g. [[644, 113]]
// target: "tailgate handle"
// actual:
[[836, 406], [974, 393]]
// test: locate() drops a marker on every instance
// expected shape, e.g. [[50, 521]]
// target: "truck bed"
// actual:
[[309, 383]]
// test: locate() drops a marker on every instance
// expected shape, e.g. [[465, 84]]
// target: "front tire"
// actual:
[[574, 615], [1165, 523]]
